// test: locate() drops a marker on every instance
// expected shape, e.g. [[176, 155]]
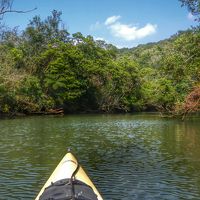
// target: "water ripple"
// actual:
[[127, 156]]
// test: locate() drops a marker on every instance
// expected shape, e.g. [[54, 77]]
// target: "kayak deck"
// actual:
[[64, 170]]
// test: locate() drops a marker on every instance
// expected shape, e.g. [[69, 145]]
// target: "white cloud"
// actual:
[[99, 38], [122, 33], [111, 20], [190, 16], [95, 26], [128, 32]]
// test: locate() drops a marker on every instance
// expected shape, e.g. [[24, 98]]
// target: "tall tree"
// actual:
[[40, 33]]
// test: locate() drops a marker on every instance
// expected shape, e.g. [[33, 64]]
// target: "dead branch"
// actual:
[[6, 7], [17, 11]]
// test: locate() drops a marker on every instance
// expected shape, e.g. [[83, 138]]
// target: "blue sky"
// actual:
[[124, 23]]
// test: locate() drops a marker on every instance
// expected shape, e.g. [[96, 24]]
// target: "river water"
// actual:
[[139, 156]]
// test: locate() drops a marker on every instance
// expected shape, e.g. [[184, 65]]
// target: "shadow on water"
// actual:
[[127, 156]]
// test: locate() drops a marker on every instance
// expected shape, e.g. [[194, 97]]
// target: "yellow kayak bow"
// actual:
[[69, 169]]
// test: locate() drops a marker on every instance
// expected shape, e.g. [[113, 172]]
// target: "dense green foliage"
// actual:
[[45, 67], [174, 64]]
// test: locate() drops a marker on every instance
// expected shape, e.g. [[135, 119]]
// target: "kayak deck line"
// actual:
[[70, 161], [67, 168]]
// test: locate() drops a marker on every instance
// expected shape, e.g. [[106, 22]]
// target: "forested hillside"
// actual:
[[176, 63], [44, 67]]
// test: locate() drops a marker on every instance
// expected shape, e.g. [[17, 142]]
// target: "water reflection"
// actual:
[[127, 156]]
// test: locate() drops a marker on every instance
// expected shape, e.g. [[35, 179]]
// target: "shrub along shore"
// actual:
[[46, 70]]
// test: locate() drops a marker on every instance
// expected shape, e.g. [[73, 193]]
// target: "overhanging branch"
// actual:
[[17, 11]]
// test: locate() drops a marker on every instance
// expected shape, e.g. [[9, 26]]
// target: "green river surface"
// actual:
[[133, 156]]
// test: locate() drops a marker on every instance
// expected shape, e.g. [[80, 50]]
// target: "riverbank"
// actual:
[[62, 113]]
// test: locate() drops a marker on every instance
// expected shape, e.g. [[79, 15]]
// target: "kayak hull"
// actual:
[[64, 170]]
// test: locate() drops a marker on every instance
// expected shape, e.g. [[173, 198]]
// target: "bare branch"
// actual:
[[6, 7], [17, 11]]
